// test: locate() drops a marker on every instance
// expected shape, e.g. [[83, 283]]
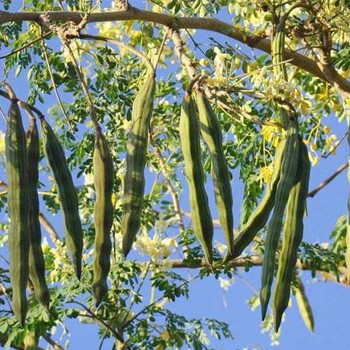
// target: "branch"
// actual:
[[180, 52], [177, 22], [49, 228], [55, 88], [99, 319], [325, 182], [54, 344], [257, 260], [337, 144], [137, 53], [30, 43], [173, 194]]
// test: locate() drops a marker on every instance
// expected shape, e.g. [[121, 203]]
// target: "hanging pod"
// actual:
[[259, 217], [212, 136], [103, 215], [136, 152], [190, 144], [287, 178], [292, 235], [67, 194], [36, 258], [18, 205]]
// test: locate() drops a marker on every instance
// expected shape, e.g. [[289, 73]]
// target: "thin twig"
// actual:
[[336, 146], [137, 53], [156, 302], [3, 115], [137, 292], [4, 291], [98, 318], [49, 228], [174, 195], [241, 112], [58, 97], [25, 46], [53, 343], [171, 187], [84, 87], [216, 222], [161, 48], [325, 182], [196, 45]]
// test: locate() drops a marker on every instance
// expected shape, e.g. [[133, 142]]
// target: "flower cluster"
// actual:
[[273, 85], [158, 248]]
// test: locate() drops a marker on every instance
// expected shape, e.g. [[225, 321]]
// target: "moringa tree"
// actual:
[[267, 73]]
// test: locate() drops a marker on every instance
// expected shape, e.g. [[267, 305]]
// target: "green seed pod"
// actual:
[[134, 184], [211, 133], [292, 235], [304, 306], [279, 68], [261, 214], [18, 206], [36, 258], [67, 194], [190, 144], [285, 183], [103, 214]]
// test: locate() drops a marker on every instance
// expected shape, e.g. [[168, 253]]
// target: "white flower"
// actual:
[[156, 247], [221, 247], [219, 62], [88, 179], [224, 283]]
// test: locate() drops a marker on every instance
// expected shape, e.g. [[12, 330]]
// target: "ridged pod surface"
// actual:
[[190, 144], [292, 236], [134, 183], [103, 215], [261, 214], [285, 183], [279, 68], [36, 258], [304, 306], [67, 194], [18, 206], [212, 136]]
